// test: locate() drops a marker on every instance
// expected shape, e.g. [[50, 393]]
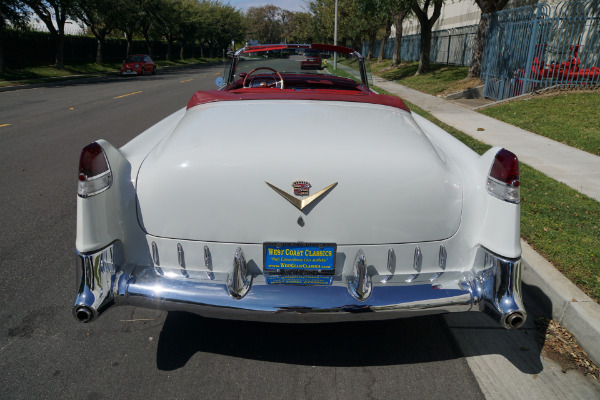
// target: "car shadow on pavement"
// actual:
[[352, 344], [400, 341]]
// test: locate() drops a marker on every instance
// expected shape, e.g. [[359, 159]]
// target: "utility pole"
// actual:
[[335, 37]]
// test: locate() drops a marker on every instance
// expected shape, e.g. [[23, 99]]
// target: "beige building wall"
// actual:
[[458, 13]]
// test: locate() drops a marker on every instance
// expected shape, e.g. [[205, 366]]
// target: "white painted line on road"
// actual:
[[186, 80], [128, 94]]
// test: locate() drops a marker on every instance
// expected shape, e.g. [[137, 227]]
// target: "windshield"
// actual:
[[135, 59], [292, 59]]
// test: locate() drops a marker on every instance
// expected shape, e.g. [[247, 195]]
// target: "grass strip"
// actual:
[[441, 78], [560, 223], [20, 76], [569, 118]]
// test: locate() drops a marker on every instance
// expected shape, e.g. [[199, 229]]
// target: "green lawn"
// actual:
[[71, 71], [441, 78], [560, 223], [570, 118]]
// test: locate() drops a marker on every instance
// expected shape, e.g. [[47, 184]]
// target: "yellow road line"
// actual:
[[218, 73], [128, 94], [186, 80], [4, 125]]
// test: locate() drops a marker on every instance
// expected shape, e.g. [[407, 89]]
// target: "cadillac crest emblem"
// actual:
[[301, 188]]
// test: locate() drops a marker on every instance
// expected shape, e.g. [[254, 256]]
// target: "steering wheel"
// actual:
[[280, 81]]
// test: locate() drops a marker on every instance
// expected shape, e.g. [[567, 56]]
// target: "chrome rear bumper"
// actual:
[[105, 279]]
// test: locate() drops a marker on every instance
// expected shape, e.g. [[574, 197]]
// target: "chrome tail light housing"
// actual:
[[503, 179], [95, 175]]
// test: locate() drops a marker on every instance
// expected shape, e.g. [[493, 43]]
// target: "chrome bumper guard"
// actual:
[[493, 287]]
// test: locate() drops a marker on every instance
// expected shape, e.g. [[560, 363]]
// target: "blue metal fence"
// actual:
[[451, 46], [535, 47]]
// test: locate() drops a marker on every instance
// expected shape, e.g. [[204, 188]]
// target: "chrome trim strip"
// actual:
[[391, 260], [180, 256], [418, 259], [207, 258], [238, 281], [359, 284], [155, 257], [442, 257]]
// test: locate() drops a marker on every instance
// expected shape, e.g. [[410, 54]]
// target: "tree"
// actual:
[[426, 24], [167, 19], [399, 9], [297, 27], [228, 24], [11, 13], [486, 7], [49, 11], [99, 17], [265, 24]]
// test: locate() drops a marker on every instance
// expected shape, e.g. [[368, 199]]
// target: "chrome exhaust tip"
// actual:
[[500, 291], [514, 320], [83, 314]]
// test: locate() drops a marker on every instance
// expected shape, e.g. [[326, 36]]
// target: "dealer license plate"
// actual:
[[301, 280], [312, 258]]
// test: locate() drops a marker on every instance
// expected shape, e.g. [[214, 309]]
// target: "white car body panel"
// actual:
[[190, 189]]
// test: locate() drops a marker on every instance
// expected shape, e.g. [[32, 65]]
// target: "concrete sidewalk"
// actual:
[[575, 168], [580, 170]]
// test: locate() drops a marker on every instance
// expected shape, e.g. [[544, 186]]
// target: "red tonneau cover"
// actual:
[[209, 96]]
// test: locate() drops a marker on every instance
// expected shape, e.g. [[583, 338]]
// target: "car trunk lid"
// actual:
[[221, 173]]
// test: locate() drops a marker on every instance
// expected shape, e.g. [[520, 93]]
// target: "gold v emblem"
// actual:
[[300, 204]]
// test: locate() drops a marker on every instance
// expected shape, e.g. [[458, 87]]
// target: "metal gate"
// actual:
[[535, 47]]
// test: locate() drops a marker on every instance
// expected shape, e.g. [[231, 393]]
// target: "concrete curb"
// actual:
[[572, 308]]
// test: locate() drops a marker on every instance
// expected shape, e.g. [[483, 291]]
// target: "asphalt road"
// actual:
[[137, 353]]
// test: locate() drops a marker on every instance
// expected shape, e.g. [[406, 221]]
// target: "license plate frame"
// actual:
[[299, 258]]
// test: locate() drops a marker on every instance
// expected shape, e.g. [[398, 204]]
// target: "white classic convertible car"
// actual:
[[298, 196]]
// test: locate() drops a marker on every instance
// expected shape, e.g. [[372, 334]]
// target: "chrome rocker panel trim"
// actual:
[[105, 279]]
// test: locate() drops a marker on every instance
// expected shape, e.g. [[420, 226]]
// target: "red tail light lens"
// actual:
[[504, 179], [506, 168], [95, 175]]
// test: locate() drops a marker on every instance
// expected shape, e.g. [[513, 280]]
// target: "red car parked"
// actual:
[[313, 59], [138, 64]]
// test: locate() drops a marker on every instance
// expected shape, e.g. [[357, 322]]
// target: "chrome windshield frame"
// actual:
[[231, 71]]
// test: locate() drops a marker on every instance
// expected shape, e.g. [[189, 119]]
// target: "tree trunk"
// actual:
[[147, 41], [397, 56], [181, 51], [426, 24], [486, 7], [388, 32], [372, 38], [2, 62], [478, 47], [60, 51], [129, 38], [424, 50], [169, 44], [99, 49]]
